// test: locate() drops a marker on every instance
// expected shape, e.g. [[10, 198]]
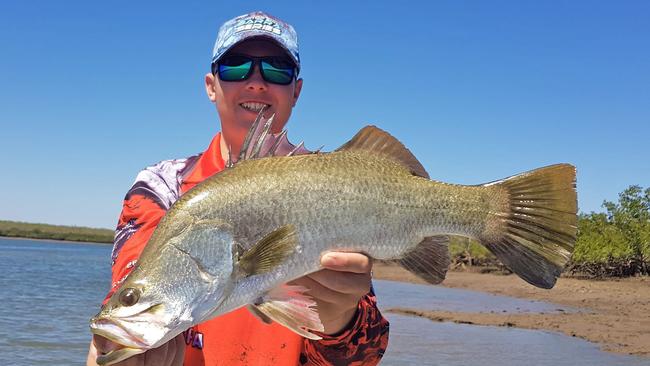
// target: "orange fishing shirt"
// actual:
[[236, 338]]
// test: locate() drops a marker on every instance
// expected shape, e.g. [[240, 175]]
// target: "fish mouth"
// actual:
[[127, 344], [116, 330]]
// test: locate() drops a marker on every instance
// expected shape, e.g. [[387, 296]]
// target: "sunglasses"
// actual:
[[274, 69]]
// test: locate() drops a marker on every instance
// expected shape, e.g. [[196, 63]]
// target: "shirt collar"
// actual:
[[208, 163]]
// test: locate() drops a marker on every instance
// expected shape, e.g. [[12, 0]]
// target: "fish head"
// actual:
[[137, 316], [182, 284]]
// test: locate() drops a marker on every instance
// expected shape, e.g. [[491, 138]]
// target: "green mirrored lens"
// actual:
[[234, 73], [277, 75]]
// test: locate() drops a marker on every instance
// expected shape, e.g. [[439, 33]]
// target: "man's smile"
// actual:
[[254, 106]]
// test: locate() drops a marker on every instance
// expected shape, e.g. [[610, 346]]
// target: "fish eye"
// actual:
[[129, 296]]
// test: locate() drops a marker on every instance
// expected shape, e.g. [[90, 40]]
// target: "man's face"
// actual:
[[237, 101]]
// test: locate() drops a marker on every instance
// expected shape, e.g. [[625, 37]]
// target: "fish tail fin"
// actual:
[[534, 231]]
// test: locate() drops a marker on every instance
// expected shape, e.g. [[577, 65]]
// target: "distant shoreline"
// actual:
[[54, 240], [68, 234]]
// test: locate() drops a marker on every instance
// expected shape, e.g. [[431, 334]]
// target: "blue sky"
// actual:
[[92, 92]]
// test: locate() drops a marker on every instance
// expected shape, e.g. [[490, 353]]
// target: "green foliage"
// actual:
[[599, 240], [55, 232], [632, 216], [463, 247], [618, 237]]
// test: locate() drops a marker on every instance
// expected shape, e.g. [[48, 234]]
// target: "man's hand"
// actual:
[[169, 354], [338, 288]]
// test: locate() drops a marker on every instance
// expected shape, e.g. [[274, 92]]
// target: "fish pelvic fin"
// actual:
[[429, 260], [259, 314], [535, 231], [375, 140], [289, 306], [272, 250]]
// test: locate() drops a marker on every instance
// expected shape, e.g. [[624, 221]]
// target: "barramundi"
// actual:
[[236, 239]]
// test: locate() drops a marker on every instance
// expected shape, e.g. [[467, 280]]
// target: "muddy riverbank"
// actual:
[[614, 313]]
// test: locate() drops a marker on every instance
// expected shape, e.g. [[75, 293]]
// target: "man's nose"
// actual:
[[256, 81]]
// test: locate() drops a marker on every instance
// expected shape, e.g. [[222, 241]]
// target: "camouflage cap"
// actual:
[[256, 24]]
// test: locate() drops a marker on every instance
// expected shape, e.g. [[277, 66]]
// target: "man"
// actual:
[[255, 66]]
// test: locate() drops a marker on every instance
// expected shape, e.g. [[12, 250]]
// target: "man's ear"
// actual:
[[209, 87], [296, 91]]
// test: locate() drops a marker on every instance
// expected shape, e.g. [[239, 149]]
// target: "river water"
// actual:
[[49, 290]]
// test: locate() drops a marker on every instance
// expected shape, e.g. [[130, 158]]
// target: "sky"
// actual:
[[93, 92]]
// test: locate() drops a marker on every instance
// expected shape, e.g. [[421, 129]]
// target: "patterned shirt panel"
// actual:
[[155, 189], [364, 343]]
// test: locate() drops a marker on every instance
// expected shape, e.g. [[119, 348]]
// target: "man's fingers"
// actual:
[[347, 262], [357, 284], [323, 294], [171, 353], [179, 354], [137, 360], [157, 356]]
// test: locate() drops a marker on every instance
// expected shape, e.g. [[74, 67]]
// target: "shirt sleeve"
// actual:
[[139, 217], [363, 343]]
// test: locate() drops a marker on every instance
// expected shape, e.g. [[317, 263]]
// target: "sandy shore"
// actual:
[[614, 313]]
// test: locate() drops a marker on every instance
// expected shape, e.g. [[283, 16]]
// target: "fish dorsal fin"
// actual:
[[429, 260], [272, 250], [289, 306], [260, 142], [376, 140]]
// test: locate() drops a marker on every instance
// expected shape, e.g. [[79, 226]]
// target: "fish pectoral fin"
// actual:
[[272, 250], [374, 140], [289, 306], [429, 260]]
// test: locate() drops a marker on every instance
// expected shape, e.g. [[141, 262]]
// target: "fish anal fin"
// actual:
[[290, 307], [429, 260], [270, 251], [374, 140]]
